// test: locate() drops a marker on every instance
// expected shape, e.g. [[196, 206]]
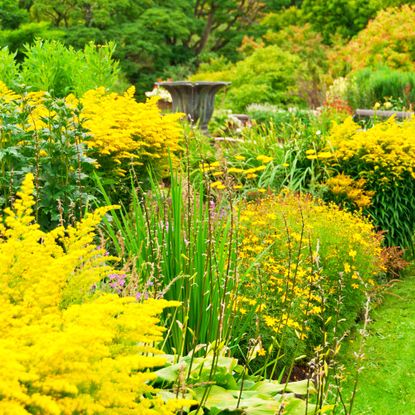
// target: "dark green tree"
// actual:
[[337, 17], [11, 15]]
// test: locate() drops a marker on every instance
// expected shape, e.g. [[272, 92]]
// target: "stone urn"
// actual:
[[195, 99]]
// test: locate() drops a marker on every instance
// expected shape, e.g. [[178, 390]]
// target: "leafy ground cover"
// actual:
[[387, 381]]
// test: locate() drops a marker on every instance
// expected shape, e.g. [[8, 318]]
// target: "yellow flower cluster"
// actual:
[[295, 250], [345, 187], [386, 151], [239, 175], [122, 128], [31, 101], [67, 348]]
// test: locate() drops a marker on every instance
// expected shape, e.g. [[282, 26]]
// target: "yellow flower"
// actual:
[[352, 253], [235, 170], [261, 352], [241, 158], [324, 155], [217, 185], [80, 352], [251, 176], [264, 159]]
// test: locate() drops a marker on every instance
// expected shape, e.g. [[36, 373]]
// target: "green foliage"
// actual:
[[154, 38], [278, 21], [263, 114], [11, 15], [15, 40], [267, 76], [308, 45], [232, 391], [343, 17], [387, 40], [181, 246], [100, 13], [50, 66], [9, 72], [54, 154], [368, 87]]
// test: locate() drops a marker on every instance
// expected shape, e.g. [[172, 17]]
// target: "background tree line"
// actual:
[[171, 38]]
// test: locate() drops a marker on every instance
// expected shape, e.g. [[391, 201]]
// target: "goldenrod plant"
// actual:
[[384, 157], [67, 347], [130, 132]]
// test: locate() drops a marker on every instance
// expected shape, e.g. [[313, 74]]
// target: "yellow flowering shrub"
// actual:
[[65, 347], [125, 129], [307, 263], [384, 157], [64, 141], [348, 192]]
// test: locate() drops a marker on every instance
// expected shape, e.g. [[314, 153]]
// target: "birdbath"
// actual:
[[195, 99]]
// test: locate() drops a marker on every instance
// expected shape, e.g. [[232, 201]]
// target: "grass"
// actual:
[[387, 382]]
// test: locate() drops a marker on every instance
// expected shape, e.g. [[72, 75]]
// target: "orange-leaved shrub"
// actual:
[[388, 39]]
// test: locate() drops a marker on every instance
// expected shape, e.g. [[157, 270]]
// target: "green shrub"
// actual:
[[266, 113], [369, 87], [267, 76], [9, 72], [307, 44], [26, 34], [50, 66], [43, 135]]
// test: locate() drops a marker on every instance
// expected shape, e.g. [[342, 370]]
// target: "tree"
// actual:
[[342, 17], [11, 15]]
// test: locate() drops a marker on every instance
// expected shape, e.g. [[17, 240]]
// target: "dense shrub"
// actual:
[[266, 76], [384, 156], [64, 140], [70, 349], [368, 87], [51, 66], [266, 113], [309, 267], [8, 67], [130, 133], [307, 44], [44, 135], [337, 17], [389, 39]]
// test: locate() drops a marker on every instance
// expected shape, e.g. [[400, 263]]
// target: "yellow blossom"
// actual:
[[71, 349]]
